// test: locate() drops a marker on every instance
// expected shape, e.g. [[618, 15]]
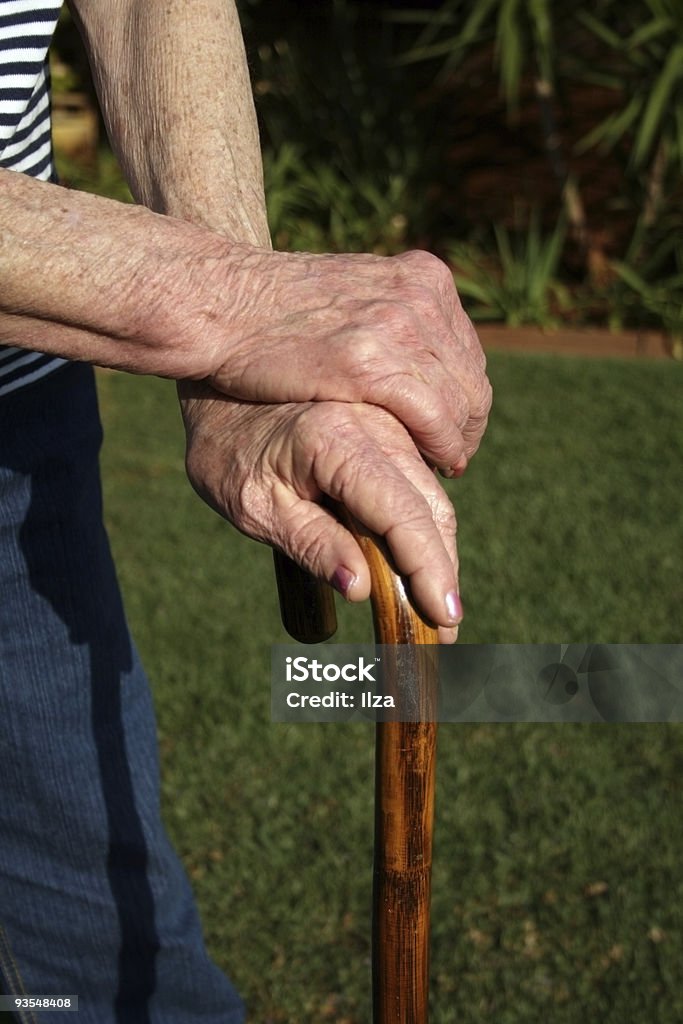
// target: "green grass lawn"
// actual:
[[558, 884]]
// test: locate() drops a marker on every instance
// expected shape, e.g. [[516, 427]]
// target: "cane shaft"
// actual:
[[405, 766], [404, 809]]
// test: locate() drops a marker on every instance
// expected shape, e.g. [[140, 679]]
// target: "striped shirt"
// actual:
[[26, 29]]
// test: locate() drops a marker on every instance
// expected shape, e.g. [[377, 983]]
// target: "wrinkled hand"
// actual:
[[387, 331], [267, 468]]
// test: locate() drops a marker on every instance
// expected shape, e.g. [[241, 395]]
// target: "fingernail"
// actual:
[[454, 606], [457, 469], [343, 579]]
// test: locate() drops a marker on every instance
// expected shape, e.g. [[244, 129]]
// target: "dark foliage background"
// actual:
[[536, 146]]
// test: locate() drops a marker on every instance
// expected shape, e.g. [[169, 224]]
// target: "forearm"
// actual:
[[88, 278], [174, 88]]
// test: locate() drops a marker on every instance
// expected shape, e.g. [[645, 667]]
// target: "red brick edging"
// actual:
[[594, 342]]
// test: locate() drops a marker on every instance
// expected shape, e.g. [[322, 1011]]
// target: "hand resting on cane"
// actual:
[[124, 287], [267, 469]]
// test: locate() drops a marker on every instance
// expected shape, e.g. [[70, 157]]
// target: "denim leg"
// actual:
[[93, 900]]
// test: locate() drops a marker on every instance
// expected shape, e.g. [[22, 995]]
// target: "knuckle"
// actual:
[[444, 515], [438, 420], [339, 458], [411, 515], [423, 297], [346, 481], [472, 343], [395, 316], [418, 293], [314, 427], [248, 508], [425, 269], [421, 262], [481, 407], [368, 345], [460, 408]]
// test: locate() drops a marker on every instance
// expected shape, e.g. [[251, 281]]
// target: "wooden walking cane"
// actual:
[[405, 762]]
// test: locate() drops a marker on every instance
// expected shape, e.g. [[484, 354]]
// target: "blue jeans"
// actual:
[[93, 900]]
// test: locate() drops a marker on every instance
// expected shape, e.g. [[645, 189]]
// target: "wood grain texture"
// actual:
[[405, 764], [306, 604], [405, 770]]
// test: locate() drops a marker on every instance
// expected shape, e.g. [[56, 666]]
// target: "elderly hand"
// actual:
[[121, 286], [390, 332], [269, 468]]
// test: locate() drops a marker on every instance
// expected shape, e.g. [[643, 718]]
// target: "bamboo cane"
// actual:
[[405, 762]]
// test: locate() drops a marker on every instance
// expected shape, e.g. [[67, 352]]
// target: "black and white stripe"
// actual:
[[26, 29]]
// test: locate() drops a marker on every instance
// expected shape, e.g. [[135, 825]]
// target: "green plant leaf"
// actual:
[[631, 278], [427, 52], [678, 134], [652, 30], [474, 25], [476, 290], [543, 36], [426, 48], [657, 105], [520, 285], [509, 50], [599, 29], [610, 131], [601, 77], [505, 253]]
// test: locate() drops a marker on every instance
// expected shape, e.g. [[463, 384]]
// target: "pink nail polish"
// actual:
[[454, 606], [343, 579]]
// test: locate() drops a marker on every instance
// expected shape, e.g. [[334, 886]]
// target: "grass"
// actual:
[[558, 889]]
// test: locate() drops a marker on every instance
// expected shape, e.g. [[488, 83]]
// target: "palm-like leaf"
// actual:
[[518, 282], [648, 69]]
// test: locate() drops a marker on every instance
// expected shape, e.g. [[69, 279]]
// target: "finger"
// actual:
[[390, 363], [435, 423], [443, 516], [413, 366], [317, 541], [379, 494], [445, 416], [463, 357], [447, 636]]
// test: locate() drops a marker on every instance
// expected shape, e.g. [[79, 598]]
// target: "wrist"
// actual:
[[243, 220], [211, 291], [91, 279]]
